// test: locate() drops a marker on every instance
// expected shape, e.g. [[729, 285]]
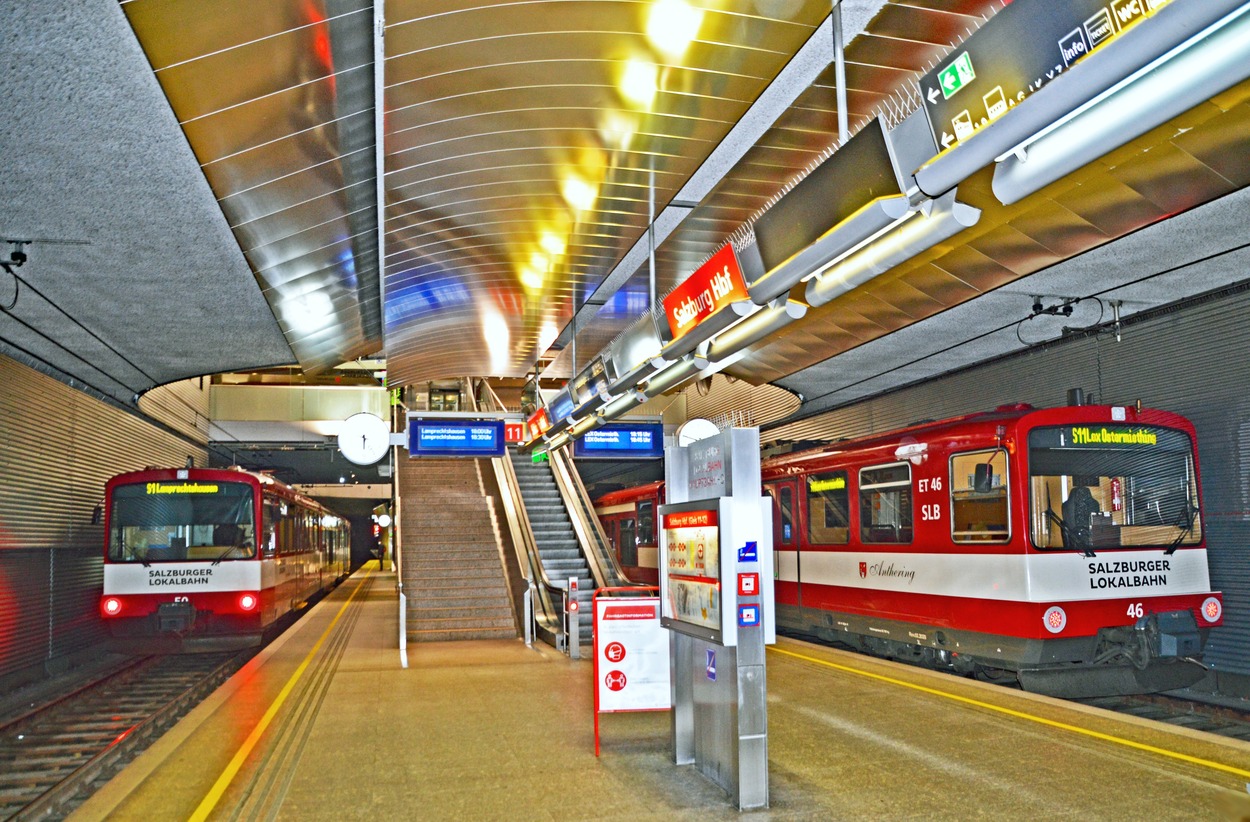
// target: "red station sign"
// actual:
[[714, 285]]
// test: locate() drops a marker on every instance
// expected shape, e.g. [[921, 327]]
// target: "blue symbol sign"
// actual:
[[749, 553], [711, 665], [748, 616]]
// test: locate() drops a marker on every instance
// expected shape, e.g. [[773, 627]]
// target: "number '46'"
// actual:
[[1135, 610]]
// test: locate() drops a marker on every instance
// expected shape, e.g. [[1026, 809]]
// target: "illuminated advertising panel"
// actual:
[[690, 572], [455, 438], [622, 441]]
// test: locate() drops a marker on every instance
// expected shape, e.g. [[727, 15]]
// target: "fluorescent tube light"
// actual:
[[755, 328], [1199, 69], [945, 219], [1134, 51]]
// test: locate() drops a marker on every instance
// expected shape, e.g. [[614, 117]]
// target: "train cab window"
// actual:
[[1111, 486], [181, 521], [885, 503], [828, 509], [979, 509], [628, 543], [646, 522]]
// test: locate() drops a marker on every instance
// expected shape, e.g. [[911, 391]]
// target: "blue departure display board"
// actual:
[[561, 406], [455, 438], [622, 441]]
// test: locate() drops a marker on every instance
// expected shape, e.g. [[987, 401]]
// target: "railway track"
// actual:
[[54, 755], [1222, 720]]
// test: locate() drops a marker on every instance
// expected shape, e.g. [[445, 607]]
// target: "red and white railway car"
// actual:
[[1061, 548], [195, 553], [628, 517]]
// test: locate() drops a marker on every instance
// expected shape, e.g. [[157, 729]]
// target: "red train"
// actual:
[[213, 557], [1060, 548]]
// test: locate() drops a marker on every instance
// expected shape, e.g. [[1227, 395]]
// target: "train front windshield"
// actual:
[[182, 520], [1095, 487]]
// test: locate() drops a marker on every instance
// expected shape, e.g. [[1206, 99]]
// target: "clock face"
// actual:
[[364, 438]]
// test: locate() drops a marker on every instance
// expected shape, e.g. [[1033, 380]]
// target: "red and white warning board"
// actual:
[[631, 656]]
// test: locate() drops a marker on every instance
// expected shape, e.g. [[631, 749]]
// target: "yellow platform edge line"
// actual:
[[215, 793], [1063, 726]]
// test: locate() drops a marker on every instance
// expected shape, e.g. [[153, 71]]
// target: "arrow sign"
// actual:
[[933, 96], [947, 139]]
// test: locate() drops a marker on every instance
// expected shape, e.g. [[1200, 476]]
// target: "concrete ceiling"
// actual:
[[195, 187]]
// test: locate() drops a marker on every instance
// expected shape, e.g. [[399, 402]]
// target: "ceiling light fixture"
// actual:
[[640, 82], [672, 25]]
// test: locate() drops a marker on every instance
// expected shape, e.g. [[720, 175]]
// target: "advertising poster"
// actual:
[[692, 568]]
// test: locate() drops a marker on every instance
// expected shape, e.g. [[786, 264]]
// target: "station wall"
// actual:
[[1191, 360], [58, 447]]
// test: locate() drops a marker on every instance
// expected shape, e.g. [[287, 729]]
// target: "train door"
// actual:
[[785, 533]]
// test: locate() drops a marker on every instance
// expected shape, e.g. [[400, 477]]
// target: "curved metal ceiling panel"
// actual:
[[520, 148], [276, 100]]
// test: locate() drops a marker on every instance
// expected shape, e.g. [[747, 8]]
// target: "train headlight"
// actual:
[[112, 606], [248, 602], [1212, 609]]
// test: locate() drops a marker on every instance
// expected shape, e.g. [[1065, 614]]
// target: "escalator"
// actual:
[[554, 536]]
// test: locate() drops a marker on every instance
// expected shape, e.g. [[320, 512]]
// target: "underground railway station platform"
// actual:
[[326, 723]]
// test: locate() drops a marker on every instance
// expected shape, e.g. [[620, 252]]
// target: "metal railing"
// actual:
[[604, 565], [542, 593]]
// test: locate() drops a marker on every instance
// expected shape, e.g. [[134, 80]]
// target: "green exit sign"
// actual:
[[539, 456], [957, 75]]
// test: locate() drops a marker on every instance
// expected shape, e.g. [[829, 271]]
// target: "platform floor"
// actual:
[[326, 724]]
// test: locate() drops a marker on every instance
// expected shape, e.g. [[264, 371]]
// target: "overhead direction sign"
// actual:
[[1018, 51], [712, 287]]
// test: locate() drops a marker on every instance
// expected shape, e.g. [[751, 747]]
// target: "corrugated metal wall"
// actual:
[[738, 402], [1191, 361], [57, 448], [181, 405]]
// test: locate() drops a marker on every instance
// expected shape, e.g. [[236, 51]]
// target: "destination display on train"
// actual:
[[455, 438], [622, 441], [1017, 52], [1110, 437]]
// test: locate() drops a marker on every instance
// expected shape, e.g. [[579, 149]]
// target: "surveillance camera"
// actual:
[[18, 257]]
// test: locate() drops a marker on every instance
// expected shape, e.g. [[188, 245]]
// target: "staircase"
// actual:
[[553, 534], [452, 572]]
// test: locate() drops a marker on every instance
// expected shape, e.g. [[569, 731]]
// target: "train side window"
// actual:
[[885, 503], [979, 504], [271, 518], [785, 502], [828, 509], [646, 522], [628, 544]]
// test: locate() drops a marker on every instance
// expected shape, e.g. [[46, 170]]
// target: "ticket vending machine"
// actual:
[[716, 592]]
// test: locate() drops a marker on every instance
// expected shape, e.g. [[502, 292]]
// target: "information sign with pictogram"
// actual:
[[631, 656], [1023, 47]]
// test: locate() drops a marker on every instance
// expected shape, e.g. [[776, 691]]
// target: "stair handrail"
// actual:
[[522, 533]]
